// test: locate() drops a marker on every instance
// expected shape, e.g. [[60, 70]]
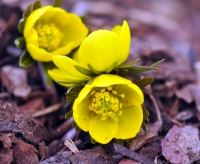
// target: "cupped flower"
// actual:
[[109, 107], [100, 52], [50, 31]]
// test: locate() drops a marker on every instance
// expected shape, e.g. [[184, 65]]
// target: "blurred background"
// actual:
[[167, 30]]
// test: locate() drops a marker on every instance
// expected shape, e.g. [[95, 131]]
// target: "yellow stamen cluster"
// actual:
[[106, 102], [49, 37]]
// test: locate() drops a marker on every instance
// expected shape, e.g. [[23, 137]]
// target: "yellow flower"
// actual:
[[52, 31], [100, 52], [109, 108]]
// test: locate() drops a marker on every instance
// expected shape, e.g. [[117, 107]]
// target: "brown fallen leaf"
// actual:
[[128, 161], [181, 145], [6, 152], [190, 93], [121, 151], [140, 140], [28, 127], [62, 157], [24, 153], [32, 106], [15, 81], [149, 152]]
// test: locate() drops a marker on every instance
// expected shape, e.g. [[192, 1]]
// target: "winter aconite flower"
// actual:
[[109, 107], [100, 52], [50, 31]]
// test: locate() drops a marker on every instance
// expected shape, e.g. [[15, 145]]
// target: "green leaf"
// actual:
[[91, 80], [111, 67], [144, 127], [36, 5], [72, 93], [70, 100], [71, 82], [123, 72], [75, 88], [20, 42], [138, 68], [126, 65], [128, 141], [144, 82], [93, 70], [28, 11], [119, 141], [157, 63], [20, 26], [92, 140], [57, 3], [25, 60], [145, 114], [74, 125], [69, 114], [84, 70], [46, 66]]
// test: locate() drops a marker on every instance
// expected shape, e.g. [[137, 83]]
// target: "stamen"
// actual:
[[106, 103], [106, 94], [122, 95], [120, 113], [97, 94], [93, 92], [102, 95], [103, 117], [49, 36], [120, 105], [109, 88]]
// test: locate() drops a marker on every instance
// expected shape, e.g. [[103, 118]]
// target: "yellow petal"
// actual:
[[64, 78], [105, 80], [125, 41], [42, 55], [84, 92], [32, 37], [117, 29], [64, 50], [75, 56], [66, 64], [81, 114], [99, 49], [129, 122], [56, 16], [102, 131], [133, 94], [74, 30], [33, 17]]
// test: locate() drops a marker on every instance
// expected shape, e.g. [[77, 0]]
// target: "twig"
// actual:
[[62, 129], [48, 110], [71, 146], [149, 92]]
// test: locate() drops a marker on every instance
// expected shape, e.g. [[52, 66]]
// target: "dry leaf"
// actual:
[[140, 140], [181, 145], [15, 81], [189, 93]]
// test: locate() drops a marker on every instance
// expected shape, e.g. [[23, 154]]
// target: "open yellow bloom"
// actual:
[[109, 108], [52, 31], [101, 52]]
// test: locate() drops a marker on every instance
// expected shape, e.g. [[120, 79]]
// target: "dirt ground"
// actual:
[[33, 128]]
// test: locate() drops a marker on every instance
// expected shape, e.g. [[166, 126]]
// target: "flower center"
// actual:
[[49, 36], [106, 102]]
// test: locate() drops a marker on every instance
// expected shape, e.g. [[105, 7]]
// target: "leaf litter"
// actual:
[[175, 89]]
